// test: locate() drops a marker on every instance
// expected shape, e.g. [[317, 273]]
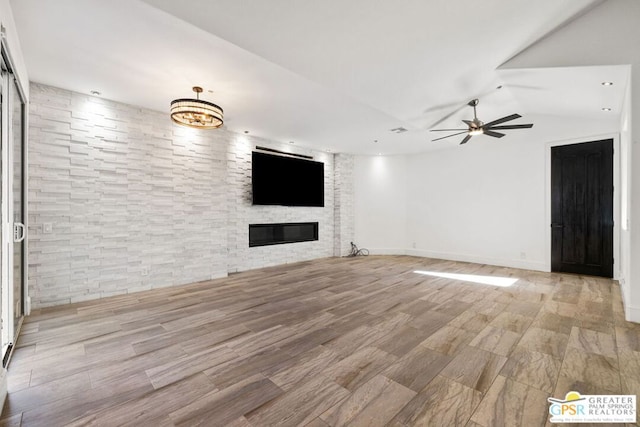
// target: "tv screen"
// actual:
[[286, 181]]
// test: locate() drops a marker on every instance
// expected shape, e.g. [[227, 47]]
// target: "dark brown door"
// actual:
[[582, 208]]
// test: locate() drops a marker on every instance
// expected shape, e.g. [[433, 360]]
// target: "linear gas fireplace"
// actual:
[[277, 234]]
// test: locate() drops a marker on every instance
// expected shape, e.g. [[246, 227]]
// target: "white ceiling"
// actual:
[[333, 75]]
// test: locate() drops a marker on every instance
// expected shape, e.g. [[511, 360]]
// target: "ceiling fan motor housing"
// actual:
[[476, 123]]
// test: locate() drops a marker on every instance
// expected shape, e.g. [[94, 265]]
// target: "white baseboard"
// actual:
[[387, 251], [632, 313], [513, 263]]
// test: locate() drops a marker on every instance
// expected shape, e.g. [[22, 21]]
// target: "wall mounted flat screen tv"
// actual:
[[286, 181]]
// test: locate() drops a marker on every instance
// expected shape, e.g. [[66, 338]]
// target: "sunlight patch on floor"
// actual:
[[503, 282]]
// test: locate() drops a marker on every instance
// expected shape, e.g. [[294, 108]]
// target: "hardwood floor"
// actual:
[[354, 341]]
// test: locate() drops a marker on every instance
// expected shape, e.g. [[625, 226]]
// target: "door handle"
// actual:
[[18, 232], [556, 225]]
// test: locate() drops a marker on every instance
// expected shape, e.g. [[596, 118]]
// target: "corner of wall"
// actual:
[[344, 208]]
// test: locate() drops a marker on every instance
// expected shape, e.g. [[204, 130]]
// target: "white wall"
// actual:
[[633, 302], [482, 202], [380, 184], [625, 199]]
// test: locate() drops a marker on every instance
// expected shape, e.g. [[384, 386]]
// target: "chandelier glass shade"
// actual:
[[196, 113]]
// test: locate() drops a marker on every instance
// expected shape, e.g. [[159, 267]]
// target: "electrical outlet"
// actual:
[[523, 255], [47, 228], [413, 245], [145, 271]]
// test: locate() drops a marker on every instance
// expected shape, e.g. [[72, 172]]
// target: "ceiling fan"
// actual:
[[476, 127]]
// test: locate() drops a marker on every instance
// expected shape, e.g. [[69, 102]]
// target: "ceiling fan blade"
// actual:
[[468, 122], [502, 120], [459, 106], [466, 139], [454, 112], [448, 136], [446, 130], [493, 134], [505, 127]]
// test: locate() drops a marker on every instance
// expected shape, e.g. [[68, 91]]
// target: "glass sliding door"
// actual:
[[5, 305], [13, 196], [17, 162]]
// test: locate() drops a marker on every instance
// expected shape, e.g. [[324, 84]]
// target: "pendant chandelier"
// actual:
[[196, 113]]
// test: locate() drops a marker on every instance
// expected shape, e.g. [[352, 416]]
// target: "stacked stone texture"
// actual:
[[135, 202]]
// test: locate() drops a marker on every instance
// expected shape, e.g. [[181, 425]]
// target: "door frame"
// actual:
[[616, 195], [14, 84]]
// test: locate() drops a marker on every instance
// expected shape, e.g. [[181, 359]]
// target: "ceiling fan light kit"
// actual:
[[477, 127], [196, 113]]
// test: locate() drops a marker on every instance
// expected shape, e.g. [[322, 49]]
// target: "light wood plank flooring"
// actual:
[[354, 341]]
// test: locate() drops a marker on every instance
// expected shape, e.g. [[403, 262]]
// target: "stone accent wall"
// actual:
[[344, 209], [121, 200], [242, 212]]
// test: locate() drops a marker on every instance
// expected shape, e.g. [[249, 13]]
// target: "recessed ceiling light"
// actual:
[[375, 140], [607, 83], [499, 87], [606, 109], [95, 92], [291, 142], [246, 131]]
